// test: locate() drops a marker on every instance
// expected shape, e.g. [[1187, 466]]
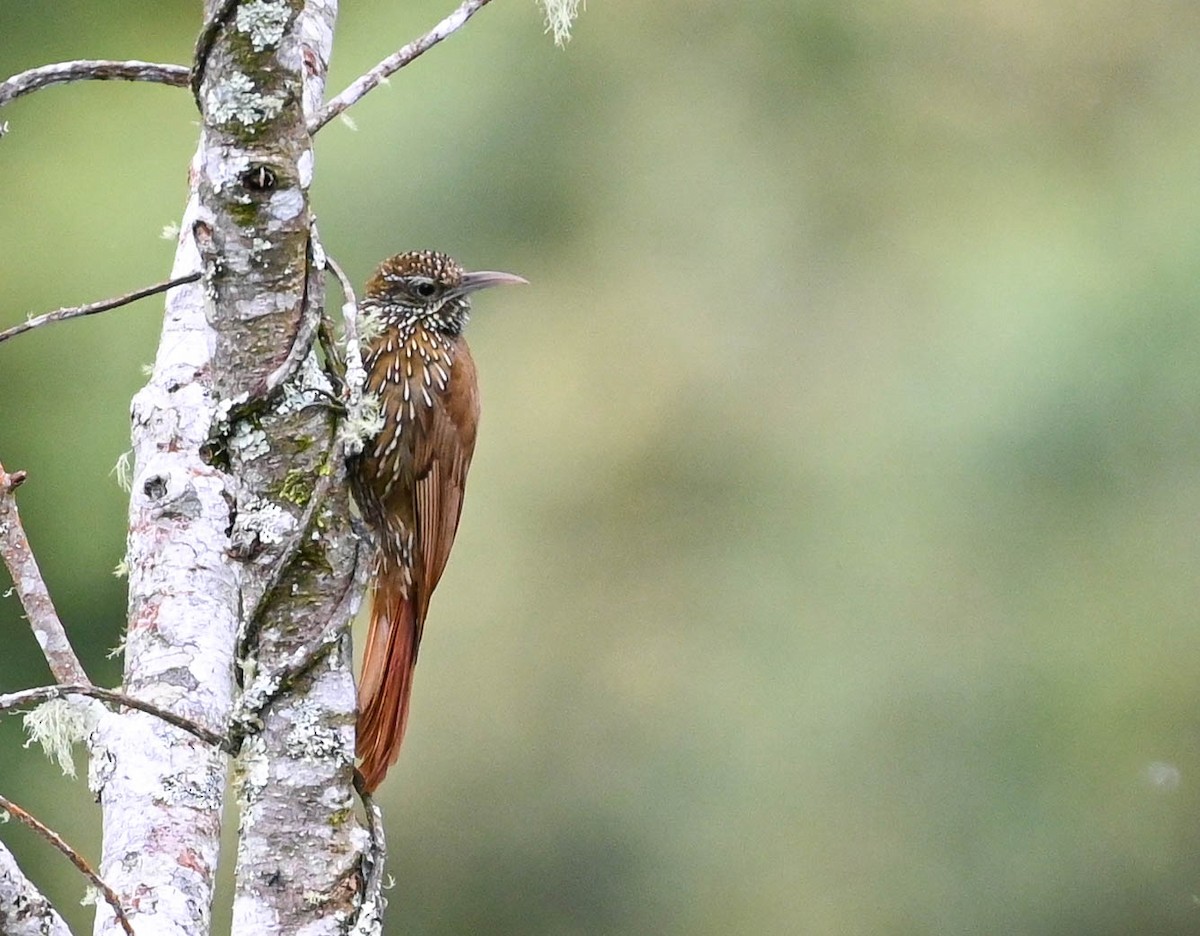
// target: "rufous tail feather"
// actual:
[[387, 671]]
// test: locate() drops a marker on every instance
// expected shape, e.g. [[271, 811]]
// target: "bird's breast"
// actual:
[[409, 369]]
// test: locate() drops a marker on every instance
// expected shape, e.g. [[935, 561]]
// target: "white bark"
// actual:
[[160, 789], [215, 534], [23, 909], [243, 568]]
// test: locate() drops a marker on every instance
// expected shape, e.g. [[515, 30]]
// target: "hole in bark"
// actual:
[[202, 231], [216, 454], [155, 487], [258, 178]]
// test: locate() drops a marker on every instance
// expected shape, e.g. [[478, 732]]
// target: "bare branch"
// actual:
[[43, 693], [59, 315], [24, 910], [31, 588], [46, 76], [394, 62], [356, 375], [75, 858], [343, 280]]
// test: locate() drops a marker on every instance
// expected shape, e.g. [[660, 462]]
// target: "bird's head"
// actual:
[[430, 287]]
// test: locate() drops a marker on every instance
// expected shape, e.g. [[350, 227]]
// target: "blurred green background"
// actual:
[[830, 559]]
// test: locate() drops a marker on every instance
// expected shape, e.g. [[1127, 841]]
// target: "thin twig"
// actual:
[[374, 860], [394, 62], [75, 858], [92, 308], [335, 367], [46, 76], [343, 280], [31, 587], [356, 375], [43, 693]]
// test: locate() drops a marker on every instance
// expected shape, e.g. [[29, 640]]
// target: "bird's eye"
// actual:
[[425, 289]]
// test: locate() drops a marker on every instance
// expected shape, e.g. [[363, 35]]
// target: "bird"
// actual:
[[409, 478]]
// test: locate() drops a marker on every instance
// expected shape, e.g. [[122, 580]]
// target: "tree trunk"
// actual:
[[242, 563]]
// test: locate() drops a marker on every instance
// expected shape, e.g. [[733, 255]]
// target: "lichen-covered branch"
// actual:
[[231, 436], [14, 700], [299, 846], [45, 76], [24, 910], [31, 588], [356, 375]]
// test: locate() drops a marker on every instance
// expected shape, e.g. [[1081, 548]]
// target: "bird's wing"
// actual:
[[442, 456]]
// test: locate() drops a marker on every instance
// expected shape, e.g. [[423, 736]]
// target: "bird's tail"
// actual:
[[387, 670]]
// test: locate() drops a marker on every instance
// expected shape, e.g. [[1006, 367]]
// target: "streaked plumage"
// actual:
[[409, 479]]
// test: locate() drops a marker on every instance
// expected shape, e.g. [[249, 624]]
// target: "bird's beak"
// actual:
[[482, 279]]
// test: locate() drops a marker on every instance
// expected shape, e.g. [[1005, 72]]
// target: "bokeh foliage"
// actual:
[[829, 563]]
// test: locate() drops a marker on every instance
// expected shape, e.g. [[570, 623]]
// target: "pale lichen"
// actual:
[[269, 522], [304, 173], [57, 725], [220, 423], [117, 650], [308, 737], [256, 768], [370, 324], [249, 442], [363, 423], [308, 387], [122, 470], [237, 99], [286, 204], [263, 23], [560, 15]]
